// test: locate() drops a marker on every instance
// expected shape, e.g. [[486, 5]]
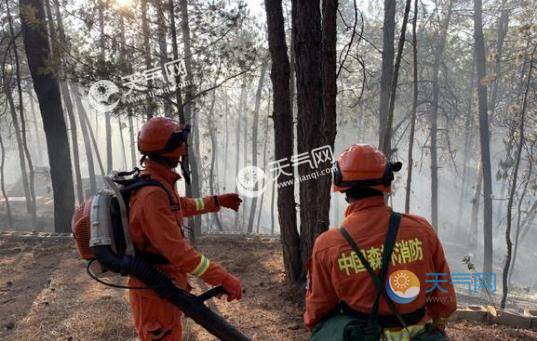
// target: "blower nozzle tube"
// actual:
[[193, 306]]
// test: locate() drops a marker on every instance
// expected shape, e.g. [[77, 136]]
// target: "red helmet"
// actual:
[[164, 137], [363, 165]]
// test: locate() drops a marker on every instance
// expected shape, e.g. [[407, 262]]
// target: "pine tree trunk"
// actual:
[[388, 54], [283, 143], [150, 106], [237, 145], [194, 147], [20, 147], [3, 184], [468, 138], [108, 117], [81, 113], [329, 93], [38, 137], [484, 135], [255, 124], [513, 189], [414, 108], [214, 146], [226, 137], [476, 201], [386, 146], [66, 94], [308, 53], [265, 145], [48, 93], [24, 144], [438, 55]]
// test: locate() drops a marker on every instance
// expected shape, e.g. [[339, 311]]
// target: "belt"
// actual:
[[386, 321]]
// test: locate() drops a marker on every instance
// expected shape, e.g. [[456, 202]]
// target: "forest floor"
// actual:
[[45, 294]]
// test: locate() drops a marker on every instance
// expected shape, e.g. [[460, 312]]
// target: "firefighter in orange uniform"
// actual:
[[155, 228], [338, 282]]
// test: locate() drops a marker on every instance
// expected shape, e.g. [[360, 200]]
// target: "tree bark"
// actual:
[[484, 135], [283, 135], [308, 44], [329, 93], [48, 93]]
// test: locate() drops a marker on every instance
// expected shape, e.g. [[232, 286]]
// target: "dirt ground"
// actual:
[[45, 294]]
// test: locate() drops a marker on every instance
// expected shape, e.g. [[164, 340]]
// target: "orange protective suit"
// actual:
[[155, 227], [335, 275]]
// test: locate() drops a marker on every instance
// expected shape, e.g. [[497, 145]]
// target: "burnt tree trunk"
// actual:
[[48, 93], [283, 135]]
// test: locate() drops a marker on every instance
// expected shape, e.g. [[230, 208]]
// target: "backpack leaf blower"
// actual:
[[100, 228]]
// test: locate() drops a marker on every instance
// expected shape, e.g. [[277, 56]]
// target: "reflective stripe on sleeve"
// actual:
[[200, 204], [202, 266]]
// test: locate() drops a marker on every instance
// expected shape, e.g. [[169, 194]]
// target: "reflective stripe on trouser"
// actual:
[[403, 334]]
